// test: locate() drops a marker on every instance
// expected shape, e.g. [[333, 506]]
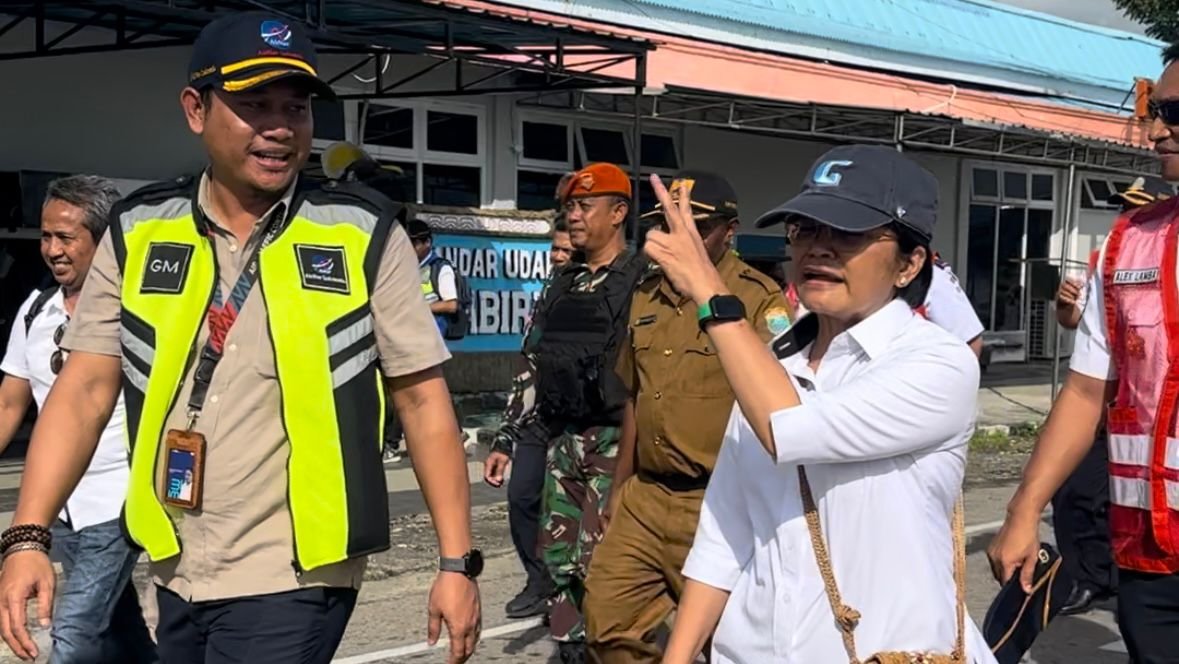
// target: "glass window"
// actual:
[[1015, 185], [536, 190], [1042, 186], [659, 152], [329, 119], [1101, 189], [605, 145], [390, 126], [452, 132], [980, 268], [647, 198], [1087, 199], [459, 186], [1009, 269], [546, 142], [401, 187], [986, 183]]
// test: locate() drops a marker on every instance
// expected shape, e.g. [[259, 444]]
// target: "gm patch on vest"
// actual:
[[166, 267], [323, 268], [1127, 277]]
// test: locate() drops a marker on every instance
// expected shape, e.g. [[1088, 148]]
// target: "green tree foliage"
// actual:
[[1161, 17]]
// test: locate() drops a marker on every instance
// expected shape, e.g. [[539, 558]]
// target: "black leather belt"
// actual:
[[675, 482]]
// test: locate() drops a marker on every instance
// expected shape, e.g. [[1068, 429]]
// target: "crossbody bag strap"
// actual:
[[848, 618]]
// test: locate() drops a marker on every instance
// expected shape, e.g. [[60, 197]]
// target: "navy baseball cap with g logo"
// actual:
[[245, 50], [857, 188]]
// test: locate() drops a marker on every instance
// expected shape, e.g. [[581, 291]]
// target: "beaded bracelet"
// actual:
[[26, 532]]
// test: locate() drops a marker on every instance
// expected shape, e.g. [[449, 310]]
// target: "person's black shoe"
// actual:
[[1080, 600], [527, 604], [572, 653]]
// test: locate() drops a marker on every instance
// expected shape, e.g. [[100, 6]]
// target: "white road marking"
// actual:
[[1118, 646], [416, 648], [525, 625]]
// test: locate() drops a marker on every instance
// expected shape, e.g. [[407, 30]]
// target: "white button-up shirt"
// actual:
[[883, 431], [99, 496], [1091, 355], [947, 305]]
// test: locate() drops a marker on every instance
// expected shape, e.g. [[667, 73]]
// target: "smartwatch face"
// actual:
[[727, 308], [475, 563]]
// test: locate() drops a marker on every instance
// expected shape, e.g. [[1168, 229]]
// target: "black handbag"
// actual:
[[1016, 618]]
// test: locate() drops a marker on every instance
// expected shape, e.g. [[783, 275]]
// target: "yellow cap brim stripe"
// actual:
[[247, 83], [254, 62]]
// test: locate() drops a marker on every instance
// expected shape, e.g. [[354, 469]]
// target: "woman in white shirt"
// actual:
[[876, 403]]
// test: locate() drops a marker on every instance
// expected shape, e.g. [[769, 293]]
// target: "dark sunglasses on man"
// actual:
[[57, 360], [1165, 109]]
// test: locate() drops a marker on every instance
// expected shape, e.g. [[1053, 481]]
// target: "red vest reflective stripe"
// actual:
[[1142, 323]]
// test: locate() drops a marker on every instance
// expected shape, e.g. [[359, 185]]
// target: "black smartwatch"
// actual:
[[720, 309], [470, 565]]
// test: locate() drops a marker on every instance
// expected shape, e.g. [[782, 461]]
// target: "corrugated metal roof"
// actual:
[[976, 32]]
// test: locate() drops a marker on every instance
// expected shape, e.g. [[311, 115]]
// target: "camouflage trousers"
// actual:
[[576, 488]]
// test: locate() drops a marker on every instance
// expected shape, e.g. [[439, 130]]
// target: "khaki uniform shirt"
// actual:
[[682, 398], [240, 542]]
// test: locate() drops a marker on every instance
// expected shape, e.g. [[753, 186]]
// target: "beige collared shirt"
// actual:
[[240, 543]]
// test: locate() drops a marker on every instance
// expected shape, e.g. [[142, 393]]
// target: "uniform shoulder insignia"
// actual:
[[755, 275], [351, 193]]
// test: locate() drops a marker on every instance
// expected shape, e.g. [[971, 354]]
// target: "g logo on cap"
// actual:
[[825, 175]]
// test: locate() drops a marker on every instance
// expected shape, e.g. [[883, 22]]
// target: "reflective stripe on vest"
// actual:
[[315, 279], [1142, 323]]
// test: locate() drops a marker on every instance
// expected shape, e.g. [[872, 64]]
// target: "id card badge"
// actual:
[[184, 461]]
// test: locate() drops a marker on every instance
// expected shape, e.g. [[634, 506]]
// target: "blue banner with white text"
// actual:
[[505, 276]]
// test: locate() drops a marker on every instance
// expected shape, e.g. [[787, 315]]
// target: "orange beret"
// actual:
[[599, 179]]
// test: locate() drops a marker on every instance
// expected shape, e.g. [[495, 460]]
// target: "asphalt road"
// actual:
[[389, 624]]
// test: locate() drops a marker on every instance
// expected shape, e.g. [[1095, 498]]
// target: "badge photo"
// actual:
[[184, 464]]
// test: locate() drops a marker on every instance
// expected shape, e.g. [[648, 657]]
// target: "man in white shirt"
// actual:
[[947, 306], [97, 616]]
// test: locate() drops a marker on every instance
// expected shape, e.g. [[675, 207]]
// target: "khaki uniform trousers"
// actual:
[[635, 578]]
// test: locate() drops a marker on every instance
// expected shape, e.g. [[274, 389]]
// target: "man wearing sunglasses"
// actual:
[[1122, 366], [98, 616]]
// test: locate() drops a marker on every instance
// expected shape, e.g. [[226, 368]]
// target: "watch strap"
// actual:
[[453, 565]]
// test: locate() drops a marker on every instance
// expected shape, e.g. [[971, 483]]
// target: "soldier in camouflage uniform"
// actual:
[[522, 441], [578, 327]]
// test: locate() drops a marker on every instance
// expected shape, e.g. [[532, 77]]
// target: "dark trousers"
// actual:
[[298, 627], [525, 490], [1080, 517], [1148, 616]]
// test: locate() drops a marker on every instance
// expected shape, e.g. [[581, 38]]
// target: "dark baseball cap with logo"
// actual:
[[1143, 191], [246, 50], [857, 188], [709, 194]]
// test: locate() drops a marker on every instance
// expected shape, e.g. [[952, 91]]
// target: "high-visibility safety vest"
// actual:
[[316, 279], [1142, 323]]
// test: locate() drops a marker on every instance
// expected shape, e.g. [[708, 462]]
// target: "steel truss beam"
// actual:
[[855, 125], [488, 54]]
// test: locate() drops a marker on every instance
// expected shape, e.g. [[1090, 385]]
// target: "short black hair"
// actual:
[[560, 225], [908, 241], [1171, 53]]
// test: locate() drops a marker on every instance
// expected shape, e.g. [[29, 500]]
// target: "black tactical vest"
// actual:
[[577, 348]]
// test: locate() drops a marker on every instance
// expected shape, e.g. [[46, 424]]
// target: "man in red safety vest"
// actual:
[[1126, 355]]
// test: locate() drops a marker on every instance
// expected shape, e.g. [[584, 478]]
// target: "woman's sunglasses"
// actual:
[[806, 233], [57, 360]]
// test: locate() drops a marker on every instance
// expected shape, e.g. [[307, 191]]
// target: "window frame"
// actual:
[[420, 155]]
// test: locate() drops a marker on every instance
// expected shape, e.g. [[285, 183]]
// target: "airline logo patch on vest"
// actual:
[[1131, 277], [323, 268], [166, 267]]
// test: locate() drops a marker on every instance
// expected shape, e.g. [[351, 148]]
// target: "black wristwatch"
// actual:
[[470, 565], [720, 309]]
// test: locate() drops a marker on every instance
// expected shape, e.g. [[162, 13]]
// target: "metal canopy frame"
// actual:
[[906, 130], [485, 53]]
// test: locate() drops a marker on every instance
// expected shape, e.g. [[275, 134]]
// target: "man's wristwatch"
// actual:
[[470, 565], [720, 309]]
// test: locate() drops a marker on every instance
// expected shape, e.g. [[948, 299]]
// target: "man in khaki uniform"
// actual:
[[266, 392], [672, 432]]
